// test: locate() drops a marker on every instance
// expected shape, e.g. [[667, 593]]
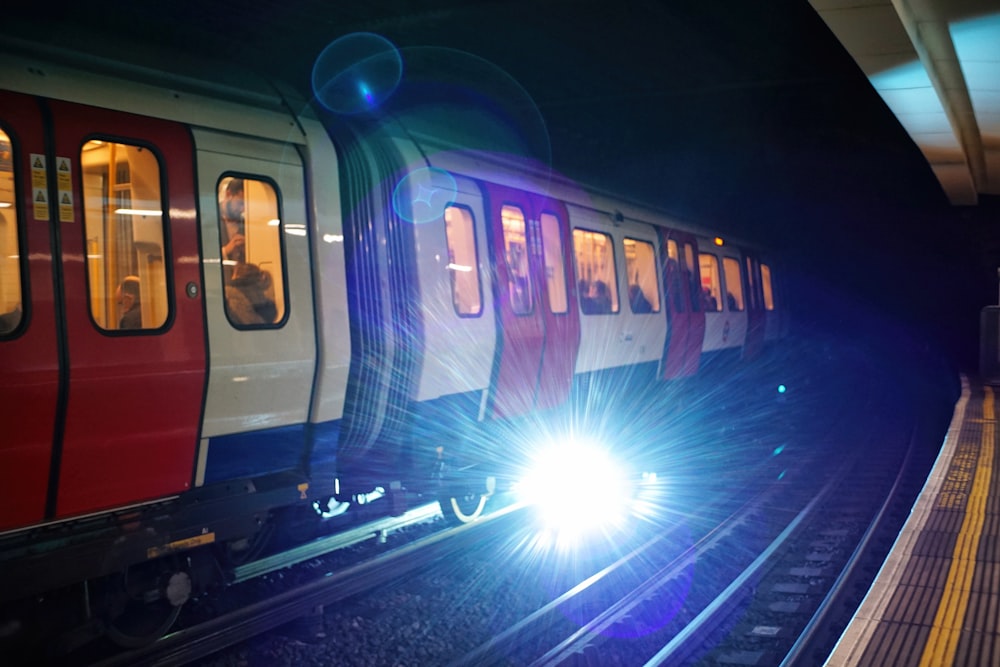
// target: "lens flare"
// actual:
[[422, 194], [356, 73]]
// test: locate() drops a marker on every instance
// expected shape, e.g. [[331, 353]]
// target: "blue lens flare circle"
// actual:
[[356, 73], [422, 194]]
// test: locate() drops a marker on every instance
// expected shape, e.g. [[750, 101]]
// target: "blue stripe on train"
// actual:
[[272, 450]]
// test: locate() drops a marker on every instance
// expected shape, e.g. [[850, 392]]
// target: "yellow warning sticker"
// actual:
[[64, 181], [39, 186], [180, 545]]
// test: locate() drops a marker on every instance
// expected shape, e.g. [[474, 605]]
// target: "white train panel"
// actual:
[[617, 338], [332, 317], [456, 297], [261, 373]]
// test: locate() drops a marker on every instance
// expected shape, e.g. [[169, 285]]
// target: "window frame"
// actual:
[[613, 290], [168, 294], [508, 294], [741, 300], [475, 265], [281, 321], [562, 261], [718, 282], [654, 269], [19, 236]]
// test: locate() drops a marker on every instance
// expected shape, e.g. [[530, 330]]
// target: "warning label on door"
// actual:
[[39, 187], [64, 182]]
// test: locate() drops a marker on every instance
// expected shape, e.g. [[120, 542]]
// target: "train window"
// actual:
[[252, 267], [640, 268], [123, 220], [711, 285], [515, 243], [752, 291], [463, 262], [595, 272], [674, 275], [692, 278], [765, 282], [10, 252], [734, 284], [555, 266]]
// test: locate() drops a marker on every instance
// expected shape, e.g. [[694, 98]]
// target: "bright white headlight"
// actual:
[[576, 487]]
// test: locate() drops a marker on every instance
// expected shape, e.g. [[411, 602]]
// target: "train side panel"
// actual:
[[724, 298], [262, 360], [29, 348], [329, 276], [457, 298], [127, 212], [612, 334]]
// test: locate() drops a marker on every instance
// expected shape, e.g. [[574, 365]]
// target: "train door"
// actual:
[[259, 302], [29, 348], [558, 303], [521, 319], [756, 315], [685, 315], [134, 336]]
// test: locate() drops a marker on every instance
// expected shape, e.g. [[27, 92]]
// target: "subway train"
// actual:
[[174, 390]]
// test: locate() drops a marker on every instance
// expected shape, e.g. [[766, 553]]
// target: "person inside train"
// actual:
[[637, 299], [711, 305], [127, 296], [247, 287], [231, 209], [602, 297], [247, 295]]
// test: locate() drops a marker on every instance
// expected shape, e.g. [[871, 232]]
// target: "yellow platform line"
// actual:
[[947, 628]]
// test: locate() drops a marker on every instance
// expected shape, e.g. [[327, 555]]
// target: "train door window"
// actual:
[[765, 282], [752, 281], [252, 266], [463, 262], [10, 251], [515, 242], [555, 266], [674, 275], [734, 284], [123, 222], [711, 284], [595, 272], [640, 268], [691, 277]]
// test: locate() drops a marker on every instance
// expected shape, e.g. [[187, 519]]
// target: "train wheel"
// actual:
[[138, 614], [464, 508]]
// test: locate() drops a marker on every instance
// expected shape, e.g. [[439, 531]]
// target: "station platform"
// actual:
[[936, 599]]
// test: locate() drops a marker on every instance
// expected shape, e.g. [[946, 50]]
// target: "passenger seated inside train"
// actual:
[[248, 299], [637, 299], [127, 296], [595, 298], [708, 301]]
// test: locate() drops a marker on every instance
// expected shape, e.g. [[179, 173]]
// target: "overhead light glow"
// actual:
[[138, 211]]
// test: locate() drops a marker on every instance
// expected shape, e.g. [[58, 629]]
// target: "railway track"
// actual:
[[763, 587], [784, 566], [325, 588]]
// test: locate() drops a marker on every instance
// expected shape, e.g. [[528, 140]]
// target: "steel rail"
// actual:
[[805, 638]]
